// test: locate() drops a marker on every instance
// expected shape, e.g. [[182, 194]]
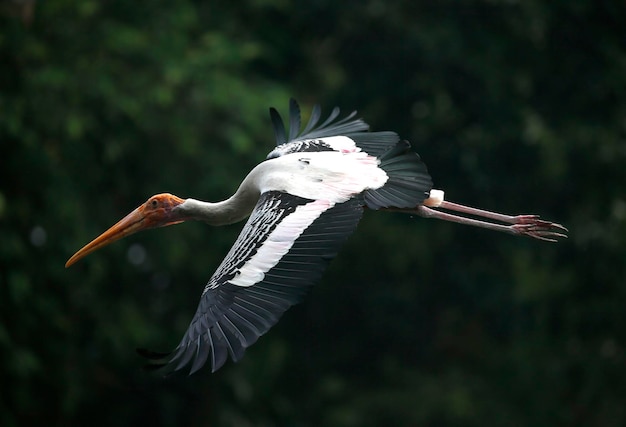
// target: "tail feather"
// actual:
[[409, 182]]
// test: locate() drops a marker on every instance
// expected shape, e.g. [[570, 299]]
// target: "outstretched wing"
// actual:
[[346, 134], [282, 250], [409, 183]]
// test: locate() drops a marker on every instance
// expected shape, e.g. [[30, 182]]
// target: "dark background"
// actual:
[[516, 106]]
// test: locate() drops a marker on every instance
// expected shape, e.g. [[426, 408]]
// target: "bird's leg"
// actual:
[[509, 219], [523, 225]]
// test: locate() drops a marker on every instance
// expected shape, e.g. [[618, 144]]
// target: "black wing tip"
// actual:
[[279, 126], [152, 355], [166, 363], [157, 361], [294, 119], [280, 131], [330, 127]]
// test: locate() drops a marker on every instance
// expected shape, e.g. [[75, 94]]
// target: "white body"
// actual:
[[319, 175]]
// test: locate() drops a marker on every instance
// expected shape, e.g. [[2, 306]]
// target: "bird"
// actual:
[[301, 204]]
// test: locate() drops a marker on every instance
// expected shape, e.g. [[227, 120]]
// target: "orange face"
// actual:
[[158, 211]]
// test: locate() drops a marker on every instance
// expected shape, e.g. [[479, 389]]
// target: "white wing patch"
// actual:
[[343, 144], [279, 242], [321, 175]]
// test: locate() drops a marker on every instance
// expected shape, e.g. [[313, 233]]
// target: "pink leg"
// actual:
[[509, 219], [523, 225]]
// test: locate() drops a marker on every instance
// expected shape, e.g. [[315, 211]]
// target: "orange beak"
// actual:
[[158, 211]]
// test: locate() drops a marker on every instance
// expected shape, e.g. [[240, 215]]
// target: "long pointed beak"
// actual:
[[160, 210], [131, 223]]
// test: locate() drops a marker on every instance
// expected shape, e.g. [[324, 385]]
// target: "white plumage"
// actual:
[[278, 242]]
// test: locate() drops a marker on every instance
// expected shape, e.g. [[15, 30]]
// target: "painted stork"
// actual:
[[303, 201]]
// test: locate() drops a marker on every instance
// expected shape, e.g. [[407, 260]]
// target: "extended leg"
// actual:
[[523, 225]]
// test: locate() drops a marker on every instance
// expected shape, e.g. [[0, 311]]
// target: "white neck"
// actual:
[[234, 209]]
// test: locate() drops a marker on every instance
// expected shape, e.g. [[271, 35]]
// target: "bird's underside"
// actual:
[[310, 196]]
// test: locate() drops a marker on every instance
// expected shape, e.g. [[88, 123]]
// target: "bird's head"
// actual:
[[158, 211]]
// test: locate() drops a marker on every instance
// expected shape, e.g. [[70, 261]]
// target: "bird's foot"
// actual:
[[533, 226]]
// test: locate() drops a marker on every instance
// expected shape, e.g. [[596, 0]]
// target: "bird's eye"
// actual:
[[154, 203]]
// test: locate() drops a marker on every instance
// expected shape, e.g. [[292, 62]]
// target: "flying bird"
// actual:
[[302, 202]]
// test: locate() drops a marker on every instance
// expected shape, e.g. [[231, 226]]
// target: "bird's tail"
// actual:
[[409, 183]]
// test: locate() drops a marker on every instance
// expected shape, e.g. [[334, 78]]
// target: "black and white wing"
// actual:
[[281, 252], [409, 183], [323, 137]]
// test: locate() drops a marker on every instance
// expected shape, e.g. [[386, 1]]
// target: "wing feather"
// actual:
[[231, 317], [316, 114], [315, 137], [279, 127]]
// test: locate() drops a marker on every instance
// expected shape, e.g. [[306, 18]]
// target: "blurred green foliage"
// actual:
[[515, 106]]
